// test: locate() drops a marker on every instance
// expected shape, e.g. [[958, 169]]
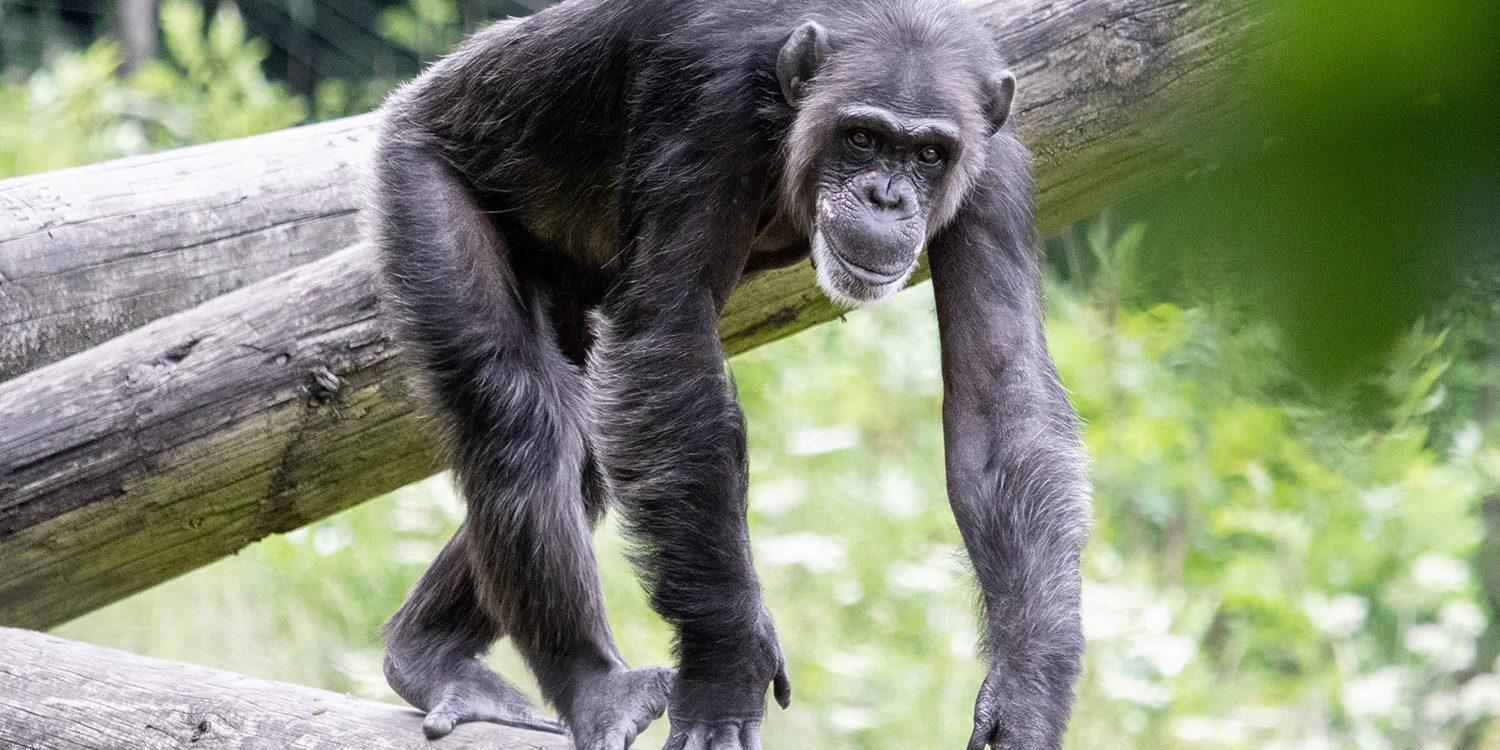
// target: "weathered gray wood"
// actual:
[[91, 252], [62, 695], [1107, 89], [187, 439], [275, 405]]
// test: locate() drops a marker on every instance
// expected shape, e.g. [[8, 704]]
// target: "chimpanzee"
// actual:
[[564, 205]]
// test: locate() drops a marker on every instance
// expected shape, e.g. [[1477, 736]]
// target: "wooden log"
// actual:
[[278, 404], [1108, 88], [185, 440], [62, 695], [91, 252]]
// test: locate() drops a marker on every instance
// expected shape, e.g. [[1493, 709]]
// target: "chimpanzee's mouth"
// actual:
[[850, 283], [869, 275]]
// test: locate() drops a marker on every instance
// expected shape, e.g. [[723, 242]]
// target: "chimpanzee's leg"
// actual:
[[515, 409], [434, 642]]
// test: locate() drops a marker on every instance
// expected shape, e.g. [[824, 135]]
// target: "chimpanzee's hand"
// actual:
[[726, 714], [720, 716], [1020, 712]]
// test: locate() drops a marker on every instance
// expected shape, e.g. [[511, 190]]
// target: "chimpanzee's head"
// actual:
[[892, 118]]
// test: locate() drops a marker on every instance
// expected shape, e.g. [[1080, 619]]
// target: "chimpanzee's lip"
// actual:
[[870, 275]]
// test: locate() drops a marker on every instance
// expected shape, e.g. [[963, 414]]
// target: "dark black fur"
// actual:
[[564, 205]]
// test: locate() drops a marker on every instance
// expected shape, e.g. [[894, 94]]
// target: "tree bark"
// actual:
[[89, 253], [138, 31], [185, 440], [278, 404], [61, 695]]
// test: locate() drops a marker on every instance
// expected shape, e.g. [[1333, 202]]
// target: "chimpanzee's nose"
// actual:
[[889, 196]]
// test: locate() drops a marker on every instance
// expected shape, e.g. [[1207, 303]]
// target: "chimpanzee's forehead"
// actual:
[[913, 82]]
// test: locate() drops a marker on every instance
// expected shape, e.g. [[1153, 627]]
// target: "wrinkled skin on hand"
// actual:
[[1019, 712], [724, 714], [712, 716]]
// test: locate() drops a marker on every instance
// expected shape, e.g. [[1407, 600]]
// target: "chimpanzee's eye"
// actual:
[[861, 139], [931, 155]]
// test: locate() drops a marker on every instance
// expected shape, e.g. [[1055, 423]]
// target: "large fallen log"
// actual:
[[277, 404], [61, 695], [185, 440]]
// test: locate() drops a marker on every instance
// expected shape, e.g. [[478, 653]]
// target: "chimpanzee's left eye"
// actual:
[[861, 139], [931, 155]]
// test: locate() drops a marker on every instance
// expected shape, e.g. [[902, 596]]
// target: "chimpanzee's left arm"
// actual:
[[1016, 475]]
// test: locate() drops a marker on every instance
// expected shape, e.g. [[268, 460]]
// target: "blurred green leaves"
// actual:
[[430, 28], [1361, 188], [209, 87]]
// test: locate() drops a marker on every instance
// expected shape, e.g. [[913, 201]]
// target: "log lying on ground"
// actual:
[[275, 405], [62, 695], [1107, 87], [185, 440]]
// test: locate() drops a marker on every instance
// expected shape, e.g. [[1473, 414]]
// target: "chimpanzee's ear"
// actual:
[[800, 57], [999, 91]]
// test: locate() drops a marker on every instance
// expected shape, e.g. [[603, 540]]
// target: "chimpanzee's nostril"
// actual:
[[883, 198]]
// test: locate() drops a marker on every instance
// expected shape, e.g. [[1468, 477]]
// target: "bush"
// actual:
[[80, 110]]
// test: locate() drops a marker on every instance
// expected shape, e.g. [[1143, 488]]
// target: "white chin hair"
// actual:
[[832, 281]]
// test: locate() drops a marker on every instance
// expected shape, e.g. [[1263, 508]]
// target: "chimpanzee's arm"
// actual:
[[1016, 476], [672, 443]]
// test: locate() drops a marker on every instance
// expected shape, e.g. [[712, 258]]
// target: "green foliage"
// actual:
[[430, 28], [80, 110], [1352, 191]]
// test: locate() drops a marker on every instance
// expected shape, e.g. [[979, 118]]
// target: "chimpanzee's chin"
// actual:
[[847, 282]]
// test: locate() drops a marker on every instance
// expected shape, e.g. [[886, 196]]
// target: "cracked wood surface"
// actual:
[[181, 442], [270, 407], [63, 695], [91, 252]]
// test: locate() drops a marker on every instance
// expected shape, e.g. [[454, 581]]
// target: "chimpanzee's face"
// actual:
[[877, 185], [885, 146]]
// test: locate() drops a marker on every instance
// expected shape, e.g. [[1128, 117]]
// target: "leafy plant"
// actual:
[[209, 87]]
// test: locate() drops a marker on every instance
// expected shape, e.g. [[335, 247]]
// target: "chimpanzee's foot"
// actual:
[[455, 691], [469, 700], [611, 708]]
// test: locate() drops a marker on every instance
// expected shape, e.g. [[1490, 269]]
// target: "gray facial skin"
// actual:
[[875, 200]]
